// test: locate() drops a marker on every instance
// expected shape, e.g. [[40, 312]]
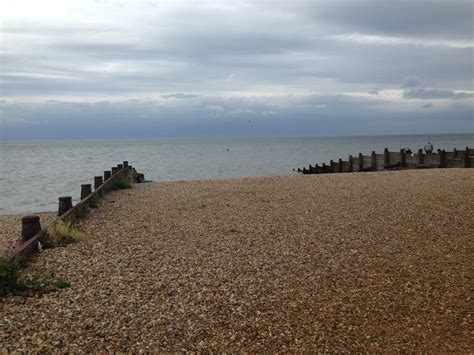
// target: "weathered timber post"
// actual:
[[403, 158], [316, 168], [310, 169], [86, 190], [331, 166], [65, 204], [30, 226], [455, 152], [341, 169], [324, 168], [467, 162], [442, 159], [125, 164], [97, 182], [373, 161], [107, 174], [420, 156], [361, 162], [114, 170], [386, 157], [119, 166], [351, 163]]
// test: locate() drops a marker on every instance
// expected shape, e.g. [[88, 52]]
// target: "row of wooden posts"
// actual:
[[31, 226], [65, 202], [395, 161]]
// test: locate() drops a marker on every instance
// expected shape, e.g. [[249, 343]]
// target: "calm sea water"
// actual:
[[34, 174]]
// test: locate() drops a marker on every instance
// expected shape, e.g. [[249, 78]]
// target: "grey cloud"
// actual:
[[430, 19], [411, 82], [272, 47], [426, 94], [382, 67], [52, 28], [179, 96], [266, 48], [219, 116]]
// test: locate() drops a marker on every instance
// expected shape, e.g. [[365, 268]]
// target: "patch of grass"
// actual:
[[9, 275], [81, 212], [94, 201], [62, 284], [38, 284], [61, 234], [13, 284], [121, 184]]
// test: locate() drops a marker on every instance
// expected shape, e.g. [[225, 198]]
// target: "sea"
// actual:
[[33, 174]]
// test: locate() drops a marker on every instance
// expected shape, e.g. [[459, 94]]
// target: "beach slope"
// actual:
[[362, 261]]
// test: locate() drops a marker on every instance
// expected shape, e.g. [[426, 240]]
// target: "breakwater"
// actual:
[[395, 161], [32, 230]]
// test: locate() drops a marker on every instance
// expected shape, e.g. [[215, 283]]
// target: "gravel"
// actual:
[[335, 262]]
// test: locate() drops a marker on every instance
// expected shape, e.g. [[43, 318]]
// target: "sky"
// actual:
[[110, 69]]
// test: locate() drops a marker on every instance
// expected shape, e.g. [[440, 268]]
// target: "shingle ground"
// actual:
[[362, 261]]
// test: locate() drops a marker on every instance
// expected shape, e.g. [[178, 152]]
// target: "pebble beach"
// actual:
[[336, 262]]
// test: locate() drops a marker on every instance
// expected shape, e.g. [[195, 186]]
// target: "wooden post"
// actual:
[[361, 162], [324, 168], [310, 169], [125, 164], [119, 166], [351, 163], [107, 174], [455, 152], [316, 168], [442, 159], [97, 182], [331, 167], [86, 190], [403, 158], [386, 157], [65, 204], [467, 162], [341, 169], [30, 226], [114, 170], [420, 156], [373, 161]]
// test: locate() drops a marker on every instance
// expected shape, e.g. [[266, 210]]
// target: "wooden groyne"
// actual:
[[396, 161], [31, 226]]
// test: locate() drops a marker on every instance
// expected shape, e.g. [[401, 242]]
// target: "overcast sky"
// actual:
[[151, 69]]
